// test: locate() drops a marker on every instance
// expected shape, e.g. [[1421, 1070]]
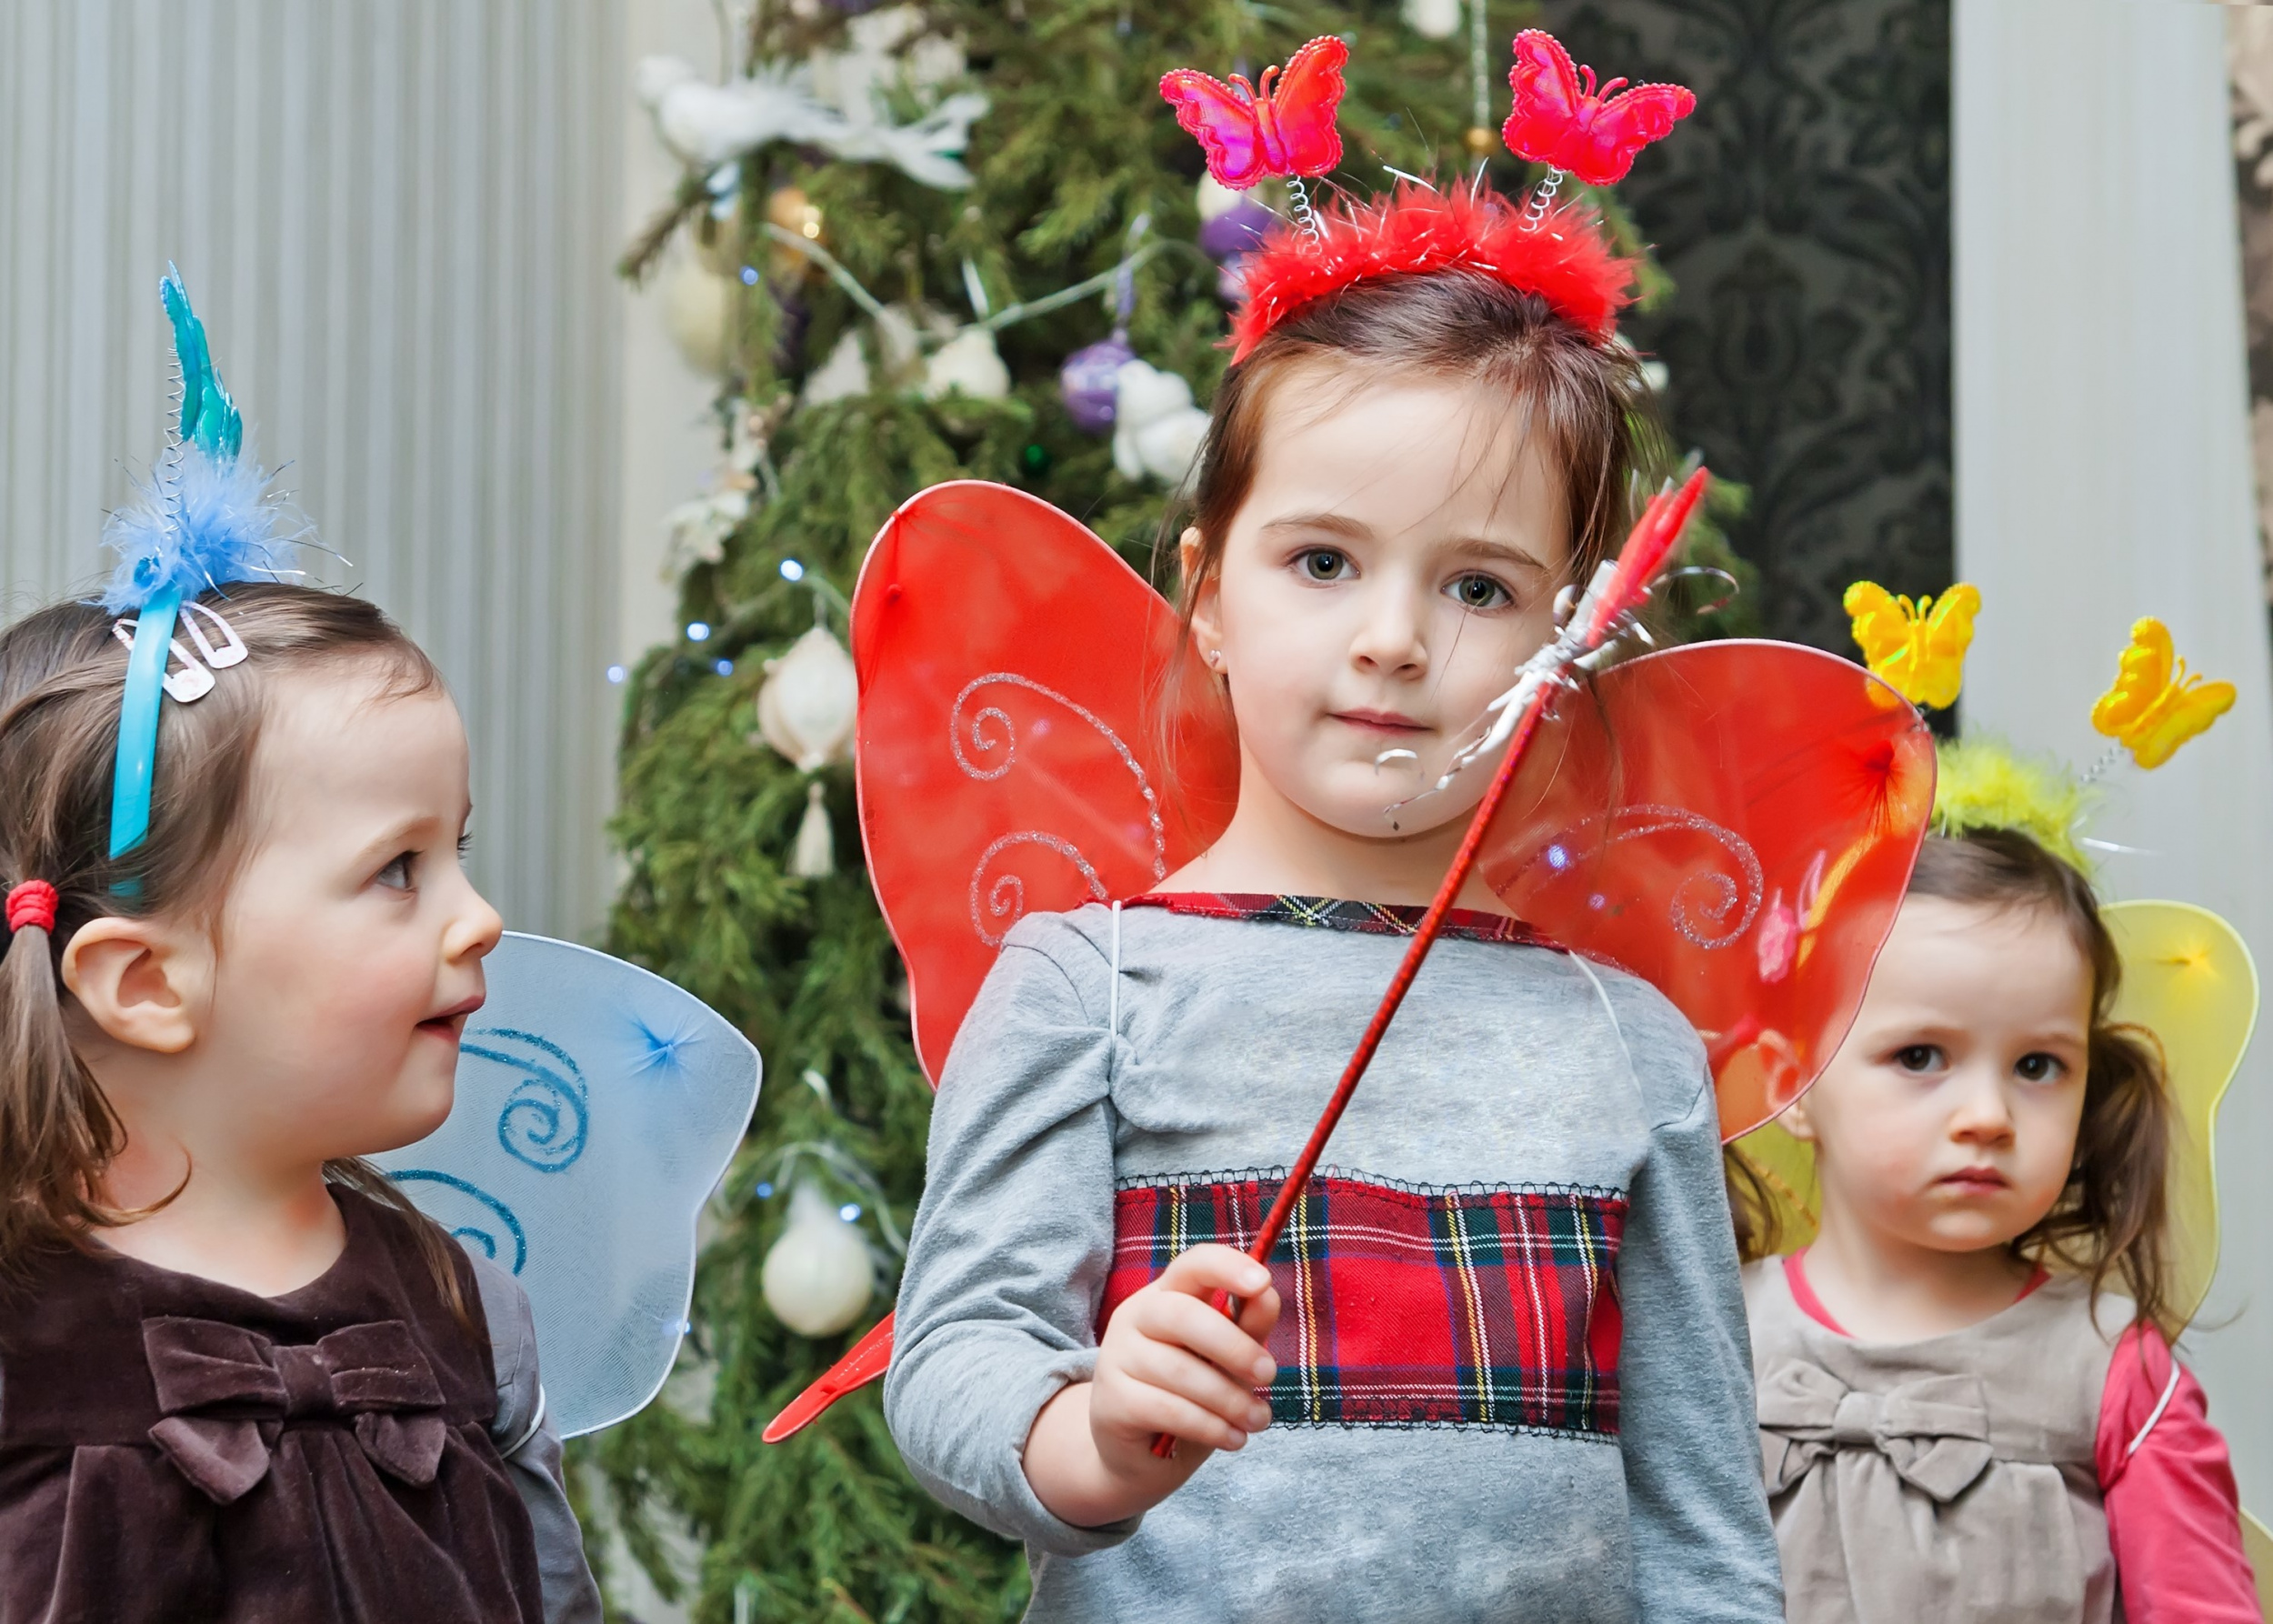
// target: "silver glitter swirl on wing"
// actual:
[[1004, 898], [993, 751], [1702, 903]]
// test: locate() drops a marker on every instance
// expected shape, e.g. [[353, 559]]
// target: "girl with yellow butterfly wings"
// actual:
[[1959, 1417]]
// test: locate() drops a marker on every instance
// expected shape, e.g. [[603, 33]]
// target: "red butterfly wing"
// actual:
[[1012, 675], [1012, 670], [1304, 101], [1549, 106], [1223, 118], [1601, 154], [1735, 823]]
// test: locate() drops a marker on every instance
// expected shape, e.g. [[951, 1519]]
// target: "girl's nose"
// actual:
[[1393, 637], [1980, 1114], [474, 928]]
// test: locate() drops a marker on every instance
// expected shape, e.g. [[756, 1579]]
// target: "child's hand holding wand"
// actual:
[[1169, 1363]]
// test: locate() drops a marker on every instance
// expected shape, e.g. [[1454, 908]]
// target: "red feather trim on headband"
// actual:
[[1562, 257]]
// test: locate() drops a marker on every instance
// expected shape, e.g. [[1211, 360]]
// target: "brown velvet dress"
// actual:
[[172, 1448]]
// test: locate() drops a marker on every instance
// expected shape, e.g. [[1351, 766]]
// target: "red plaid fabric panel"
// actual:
[[1411, 1307], [1329, 913]]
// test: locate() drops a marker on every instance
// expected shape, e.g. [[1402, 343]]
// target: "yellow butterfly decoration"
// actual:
[[2155, 706], [1917, 649]]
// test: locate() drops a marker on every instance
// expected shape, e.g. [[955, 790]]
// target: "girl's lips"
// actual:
[[451, 1022], [1974, 1181], [1379, 721]]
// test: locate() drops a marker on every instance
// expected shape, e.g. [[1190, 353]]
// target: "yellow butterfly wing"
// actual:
[[1881, 622], [2141, 675], [2184, 710], [1947, 635], [2188, 978]]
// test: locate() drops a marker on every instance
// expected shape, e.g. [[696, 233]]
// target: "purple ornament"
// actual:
[[1238, 230], [1231, 281], [1088, 380]]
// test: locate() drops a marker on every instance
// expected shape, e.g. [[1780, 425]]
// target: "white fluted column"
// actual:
[[2103, 473]]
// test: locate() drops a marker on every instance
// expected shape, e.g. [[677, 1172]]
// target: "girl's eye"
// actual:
[[1481, 593], [395, 875], [1918, 1057], [2040, 1068], [1324, 564], [465, 845]]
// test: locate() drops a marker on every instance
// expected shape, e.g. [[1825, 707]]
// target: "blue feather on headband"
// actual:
[[207, 516]]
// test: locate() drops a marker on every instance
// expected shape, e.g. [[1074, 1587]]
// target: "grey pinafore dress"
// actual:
[[1951, 1478]]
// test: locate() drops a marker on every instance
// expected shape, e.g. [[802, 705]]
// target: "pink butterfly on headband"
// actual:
[[1566, 125], [1284, 125]]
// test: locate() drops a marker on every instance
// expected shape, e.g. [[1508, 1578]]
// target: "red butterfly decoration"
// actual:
[[1284, 125], [1565, 123]]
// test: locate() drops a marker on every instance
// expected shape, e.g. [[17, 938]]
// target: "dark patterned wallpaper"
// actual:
[[1804, 212]]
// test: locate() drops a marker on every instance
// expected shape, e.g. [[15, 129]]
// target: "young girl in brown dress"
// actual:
[[1969, 1407], [240, 1377]]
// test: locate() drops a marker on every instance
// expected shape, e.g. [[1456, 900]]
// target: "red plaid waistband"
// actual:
[[1408, 1305]]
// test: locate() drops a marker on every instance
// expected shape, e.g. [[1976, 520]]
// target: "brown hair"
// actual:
[[2112, 1218], [62, 676], [1587, 398]]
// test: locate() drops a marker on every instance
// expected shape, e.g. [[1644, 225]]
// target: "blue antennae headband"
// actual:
[[205, 520]]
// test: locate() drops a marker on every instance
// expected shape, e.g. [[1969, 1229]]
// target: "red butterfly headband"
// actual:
[[1560, 119]]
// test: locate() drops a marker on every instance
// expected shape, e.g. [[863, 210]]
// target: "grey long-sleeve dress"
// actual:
[[1514, 1380]]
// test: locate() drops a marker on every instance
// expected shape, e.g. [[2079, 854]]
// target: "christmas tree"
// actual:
[[936, 234]]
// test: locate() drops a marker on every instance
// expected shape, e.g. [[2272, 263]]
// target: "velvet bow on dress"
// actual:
[[225, 1390], [1933, 1431]]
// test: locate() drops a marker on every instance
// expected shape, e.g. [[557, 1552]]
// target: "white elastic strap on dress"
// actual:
[[1113, 993], [520, 1443], [2169, 1391], [1602, 994]]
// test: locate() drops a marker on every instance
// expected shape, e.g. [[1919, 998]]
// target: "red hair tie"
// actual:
[[32, 903]]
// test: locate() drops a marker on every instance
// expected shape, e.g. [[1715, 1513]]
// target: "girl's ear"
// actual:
[[1207, 625], [139, 980], [1794, 1122]]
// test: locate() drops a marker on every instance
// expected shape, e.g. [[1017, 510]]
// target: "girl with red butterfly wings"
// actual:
[[1496, 1366]]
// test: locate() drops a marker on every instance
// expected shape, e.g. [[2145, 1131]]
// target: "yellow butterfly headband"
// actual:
[[2154, 706]]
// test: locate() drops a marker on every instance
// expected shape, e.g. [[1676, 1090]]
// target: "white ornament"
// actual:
[[819, 1276], [814, 856], [698, 304], [1436, 19], [1216, 198], [1156, 429], [809, 701], [844, 374], [967, 364]]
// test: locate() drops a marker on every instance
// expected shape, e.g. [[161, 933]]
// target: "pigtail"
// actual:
[[2113, 1219], [56, 1130]]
